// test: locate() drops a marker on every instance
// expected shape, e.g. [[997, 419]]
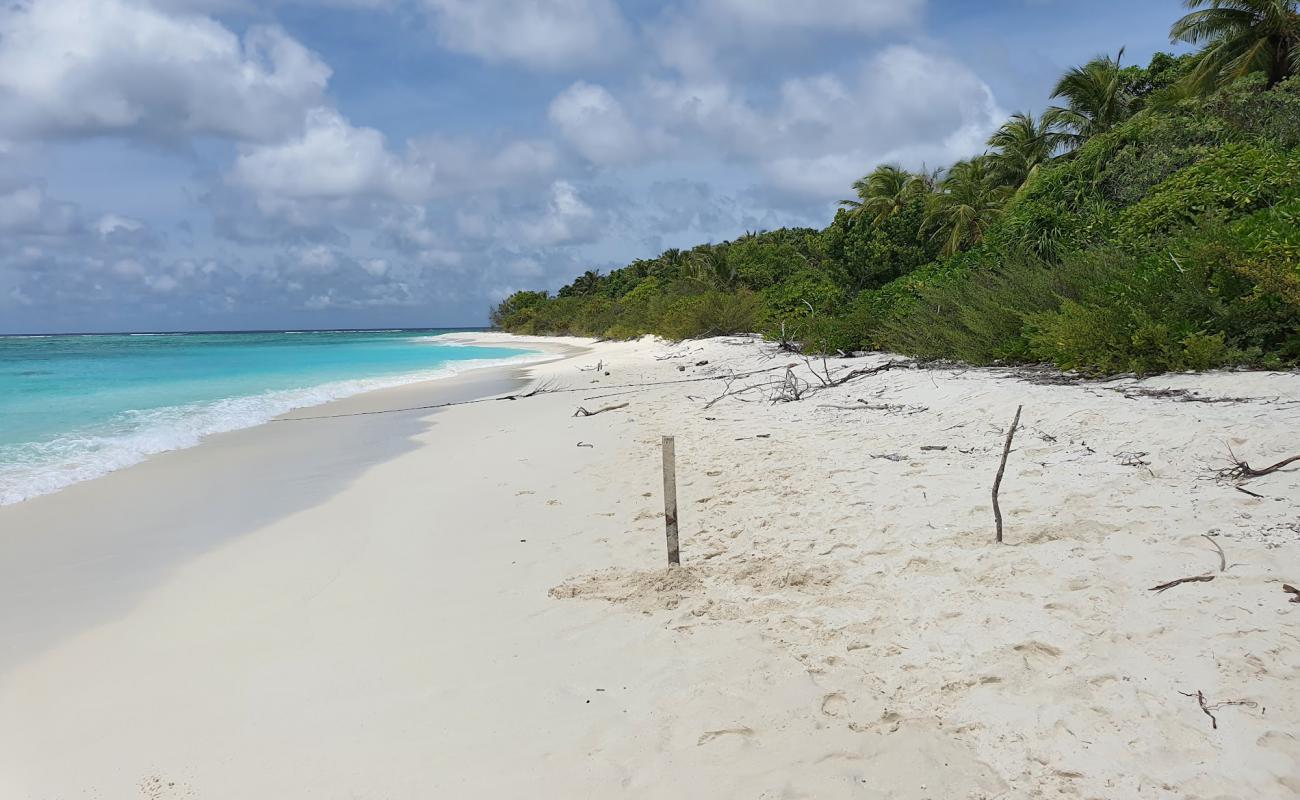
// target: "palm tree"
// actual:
[[1095, 100], [1021, 146], [883, 193], [586, 283], [1241, 37], [968, 200]]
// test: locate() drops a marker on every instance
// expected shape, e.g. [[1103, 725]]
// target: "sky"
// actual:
[[235, 164]]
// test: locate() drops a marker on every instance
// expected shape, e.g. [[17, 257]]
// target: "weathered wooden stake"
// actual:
[[670, 499], [997, 482]]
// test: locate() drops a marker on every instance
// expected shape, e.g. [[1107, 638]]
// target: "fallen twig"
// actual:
[[1240, 470], [1223, 559], [1209, 709], [582, 412], [1177, 395], [1286, 587], [1194, 579], [1249, 492]]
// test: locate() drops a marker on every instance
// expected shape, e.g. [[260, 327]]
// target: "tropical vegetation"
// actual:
[[1148, 220]]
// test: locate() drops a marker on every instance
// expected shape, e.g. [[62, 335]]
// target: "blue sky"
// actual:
[[226, 164]]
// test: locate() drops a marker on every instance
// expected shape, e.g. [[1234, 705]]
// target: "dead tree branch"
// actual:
[[1241, 471], [582, 412], [1171, 584]]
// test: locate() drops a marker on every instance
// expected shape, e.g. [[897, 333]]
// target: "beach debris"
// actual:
[[1171, 584], [1206, 578], [1002, 466], [1244, 490], [936, 447], [1286, 587], [582, 412], [600, 367], [890, 456], [1209, 709], [1240, 470], [1223, 559], [703, 363], [1177, 395], [584, 444], [1134, 459]]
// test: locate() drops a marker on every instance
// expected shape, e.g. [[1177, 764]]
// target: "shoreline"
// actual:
[[305, 397], [120, 525], [486, 610]]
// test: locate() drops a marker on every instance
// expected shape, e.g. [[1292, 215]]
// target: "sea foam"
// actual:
[[32, 469]]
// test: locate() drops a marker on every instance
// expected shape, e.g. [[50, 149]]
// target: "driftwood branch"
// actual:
[[582, 412], [1241, 471], [1171, 584], [1002, 466]]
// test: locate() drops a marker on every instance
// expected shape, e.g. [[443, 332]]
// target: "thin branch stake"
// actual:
[[997, 482], [1223, 560]]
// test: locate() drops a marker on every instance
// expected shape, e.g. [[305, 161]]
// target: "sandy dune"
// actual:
[[486, 613]]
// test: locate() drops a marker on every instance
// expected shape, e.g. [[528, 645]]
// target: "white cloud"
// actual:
[[331, 161], [697, 37], [464, 165], [859, 16], [594, 122], [823, 131], [28, 210], [549, 34], [91, 67], [566, 219], [110, 224]]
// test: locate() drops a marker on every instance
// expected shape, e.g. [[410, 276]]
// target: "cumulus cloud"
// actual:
[[331, 162], [27, 210], [594, 122], [857, 16], [697, 37], [94, 67], [566, 219], [822, 131], [545, 34]]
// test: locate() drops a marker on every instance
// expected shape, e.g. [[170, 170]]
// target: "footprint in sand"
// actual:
[[708, 736], [835, 704]]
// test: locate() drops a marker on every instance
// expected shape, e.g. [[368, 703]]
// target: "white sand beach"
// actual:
[[473, 602]]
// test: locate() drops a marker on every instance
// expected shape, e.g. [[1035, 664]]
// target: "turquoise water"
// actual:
[[76, 407]]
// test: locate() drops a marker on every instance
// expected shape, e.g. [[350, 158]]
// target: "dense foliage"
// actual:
[[1148, 221]]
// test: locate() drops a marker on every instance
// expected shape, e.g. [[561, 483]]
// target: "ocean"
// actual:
[[79, 406]]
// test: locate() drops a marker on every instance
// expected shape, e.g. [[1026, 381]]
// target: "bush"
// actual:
[[1236, 179]]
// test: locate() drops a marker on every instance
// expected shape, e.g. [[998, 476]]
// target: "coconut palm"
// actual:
[[883, 193], [1095, 100], [969, 198], [586, 283], [1021, 146], [1241, 37]]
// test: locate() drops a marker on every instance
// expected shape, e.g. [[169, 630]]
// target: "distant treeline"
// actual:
[[1148, 221]]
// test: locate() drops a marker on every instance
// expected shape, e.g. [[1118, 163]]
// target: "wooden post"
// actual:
[[997, 482], [670, 500]]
